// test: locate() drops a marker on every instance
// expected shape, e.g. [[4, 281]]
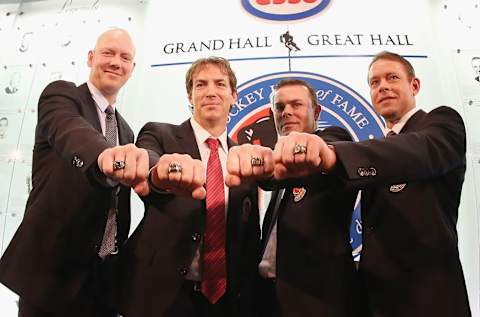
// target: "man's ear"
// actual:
[[415, 84], [90, 58], [235, 96], [190, 98], [317, 111]]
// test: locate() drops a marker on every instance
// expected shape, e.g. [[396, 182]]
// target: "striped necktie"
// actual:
[[214, 275]]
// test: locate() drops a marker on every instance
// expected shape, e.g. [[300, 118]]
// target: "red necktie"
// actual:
[[214, 276]]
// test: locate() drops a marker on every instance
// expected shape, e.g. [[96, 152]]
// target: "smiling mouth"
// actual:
[[112, 73], [386, 99], [211, 105], [288, 124]]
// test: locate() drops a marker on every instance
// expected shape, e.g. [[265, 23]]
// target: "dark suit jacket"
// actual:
[[412, 184], [52, 252], [315, 270], [161, 249]]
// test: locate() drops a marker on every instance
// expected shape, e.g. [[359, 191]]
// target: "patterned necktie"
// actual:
[[109, 244], [214, 275]]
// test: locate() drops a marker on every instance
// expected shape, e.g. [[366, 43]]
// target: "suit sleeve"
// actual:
[[329, 135], [61, 122], [150, 138], [435, 148], [334, 134]]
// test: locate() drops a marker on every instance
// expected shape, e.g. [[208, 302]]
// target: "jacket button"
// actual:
[[77, 162], [361, 172], [195, 237], [183, 271]]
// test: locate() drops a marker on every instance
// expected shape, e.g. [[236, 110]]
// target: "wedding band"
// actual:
[[118, 165], [174, 168], [256, 161], [299, 149]]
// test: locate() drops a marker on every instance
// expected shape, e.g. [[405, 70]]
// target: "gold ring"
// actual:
[[256, 161], [118, 165], [174, 168], [299, 149]]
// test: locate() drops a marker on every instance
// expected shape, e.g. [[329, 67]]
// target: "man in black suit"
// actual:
[[306, 266], [78, 212], [412, 182], [194, 253]]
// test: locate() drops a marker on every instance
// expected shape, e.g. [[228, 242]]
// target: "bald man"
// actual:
[[78, 212]]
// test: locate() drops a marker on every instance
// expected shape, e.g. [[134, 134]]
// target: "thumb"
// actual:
[[142, 188], [280, 171], [232, 180], [199, 193]]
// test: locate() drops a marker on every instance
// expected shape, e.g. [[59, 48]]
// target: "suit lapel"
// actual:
[[125, 134], [273, 211], [267, 220], [234, 211], [414, 121], [409, 126], [89, 107], [235, 208], [186, 140]]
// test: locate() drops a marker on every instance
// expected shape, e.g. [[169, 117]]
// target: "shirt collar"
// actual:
[[201, 135], [397, 127], [100, 100]]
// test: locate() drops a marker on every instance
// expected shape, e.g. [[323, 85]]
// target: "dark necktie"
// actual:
[[277, 197], [109, 244], [390, 133], [214, 275]]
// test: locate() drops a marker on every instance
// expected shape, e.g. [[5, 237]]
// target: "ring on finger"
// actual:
[[299, 149], [256, 161], [118, 165], [174, 168]]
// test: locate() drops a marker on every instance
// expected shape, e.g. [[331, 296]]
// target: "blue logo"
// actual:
[[251, 120], [284, 10]]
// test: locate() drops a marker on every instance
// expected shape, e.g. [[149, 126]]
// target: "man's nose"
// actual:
[[287, 111], [115, 61], [211, 92], [383, 86]]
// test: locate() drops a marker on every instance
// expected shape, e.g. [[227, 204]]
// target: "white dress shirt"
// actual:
[[397, 127], [102, 103]]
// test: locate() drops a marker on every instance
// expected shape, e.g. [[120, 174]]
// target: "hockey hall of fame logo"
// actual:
[[284, 10], [251, 119]]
